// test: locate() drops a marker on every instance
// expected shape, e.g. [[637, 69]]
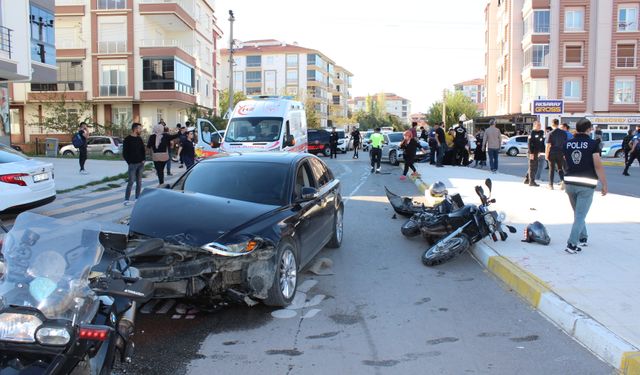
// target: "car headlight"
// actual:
[[232, 250], [18, 327], [489, 220], [53, 336]]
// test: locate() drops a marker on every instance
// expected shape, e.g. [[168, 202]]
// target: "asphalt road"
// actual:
[[618, 184], [377, 311]]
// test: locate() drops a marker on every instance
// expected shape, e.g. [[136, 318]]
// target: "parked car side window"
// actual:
[[304, 178], [92, 141], [320, 173], [617, 136], [521, 139]]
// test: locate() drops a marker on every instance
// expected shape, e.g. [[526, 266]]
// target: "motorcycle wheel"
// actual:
[[445, 250], [410, 228]]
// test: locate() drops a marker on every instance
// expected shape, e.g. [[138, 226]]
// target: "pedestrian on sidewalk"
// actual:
[[333, 143], [188, 150], [83, 134], [584, 170], [479, 155], [182, 135], [159, 144], [433, 145], [166, 131], [441, 143], [491, 144], [461, 145], [355, 135], [626, 145], [635, 151], [375, 152], [536, 154], [410, 145], [133, 152], [554, 151]]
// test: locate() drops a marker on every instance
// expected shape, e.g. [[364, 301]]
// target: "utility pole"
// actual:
[[231, 20], [444, 107]]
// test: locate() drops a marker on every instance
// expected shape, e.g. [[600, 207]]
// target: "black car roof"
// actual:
[[262, 157]]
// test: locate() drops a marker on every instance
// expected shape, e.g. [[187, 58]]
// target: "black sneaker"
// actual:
[[625, 174], [572, 249], [533, 183], [583, 242], [526, 181]]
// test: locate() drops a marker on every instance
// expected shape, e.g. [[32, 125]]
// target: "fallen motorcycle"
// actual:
[[465, 227], [67, 297]]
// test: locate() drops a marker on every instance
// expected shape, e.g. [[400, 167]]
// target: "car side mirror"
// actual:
[[309, 194], [215, 144], [290, 141]]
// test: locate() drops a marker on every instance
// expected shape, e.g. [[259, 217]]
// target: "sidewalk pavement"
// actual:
[[67, 171], [594, 296]]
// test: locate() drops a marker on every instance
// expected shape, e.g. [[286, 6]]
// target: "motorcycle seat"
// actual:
[[467, 210]]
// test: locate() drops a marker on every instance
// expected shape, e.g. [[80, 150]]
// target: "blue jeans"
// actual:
[[493, 158], [135, 175], [441, 151], [580, 198]]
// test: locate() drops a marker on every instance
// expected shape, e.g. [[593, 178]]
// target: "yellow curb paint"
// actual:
[[422, 186], [630, 364], [524, 283], [613, 163]]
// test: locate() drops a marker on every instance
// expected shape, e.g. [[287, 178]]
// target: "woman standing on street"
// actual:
[[410, 146], [479, 155], [159, 143]]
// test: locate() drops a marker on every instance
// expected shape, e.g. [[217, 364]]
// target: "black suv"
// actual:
[[318, 142]]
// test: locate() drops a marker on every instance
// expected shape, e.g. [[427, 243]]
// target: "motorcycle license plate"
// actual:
[[40, 177]]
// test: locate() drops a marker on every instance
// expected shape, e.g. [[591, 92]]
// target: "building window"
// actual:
[[626, 56], [167, 74], [292, 77], [536, 56], [112, 34], [254, 90], [206, 88], [572, 89], [121, 115], [42, 36], [314, 75], [238, 81], [254, 77], [159, 115], [573, 55], [624, 90], [336, 99], [574, 19], [254, 61], [628, 18], [69, 78], [292, 61], [112, 4], [113, 80], [541, 21]]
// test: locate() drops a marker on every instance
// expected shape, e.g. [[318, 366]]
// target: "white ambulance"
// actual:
[[266, 123]]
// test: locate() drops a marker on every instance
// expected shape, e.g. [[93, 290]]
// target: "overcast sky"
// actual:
[[414, 48]]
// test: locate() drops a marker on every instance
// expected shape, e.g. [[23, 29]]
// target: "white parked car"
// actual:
[[96, 145], [515, 145], [24, 182]]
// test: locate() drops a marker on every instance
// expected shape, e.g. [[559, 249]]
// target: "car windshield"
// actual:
[[9, 155], [257, 182], [254, 129], [48, 262], [395, 137]]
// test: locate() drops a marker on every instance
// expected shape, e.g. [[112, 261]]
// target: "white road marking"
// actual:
[[363, 179], [176, 316], [311, 313], [315, 301], [298, 301], [284, 314], [307, 285], [149, 306]]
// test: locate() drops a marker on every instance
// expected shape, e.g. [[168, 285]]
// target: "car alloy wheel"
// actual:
[[108, 153], [288, 271], [512, 151], [393, 158], [67, 153], [326, 151], [619, 154]]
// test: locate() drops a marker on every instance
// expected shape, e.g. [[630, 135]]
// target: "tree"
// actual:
[[63, 116], [196, 111], [313, 120], [457, 104], [224, 100]]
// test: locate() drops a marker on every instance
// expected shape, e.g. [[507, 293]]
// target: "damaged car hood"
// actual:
[[190, 218]]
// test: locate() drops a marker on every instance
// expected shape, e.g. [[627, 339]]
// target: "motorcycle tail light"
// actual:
[[53, 336], [94, 333]]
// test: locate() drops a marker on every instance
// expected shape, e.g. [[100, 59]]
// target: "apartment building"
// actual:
[[130, 60], [271, 67], [388, 103], [474, 90], [584, 52], [27, 52]]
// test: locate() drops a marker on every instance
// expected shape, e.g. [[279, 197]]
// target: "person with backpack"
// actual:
[[554, 154], [79, 141]]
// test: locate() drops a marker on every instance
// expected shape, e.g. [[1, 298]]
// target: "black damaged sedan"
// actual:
[[239, 226]]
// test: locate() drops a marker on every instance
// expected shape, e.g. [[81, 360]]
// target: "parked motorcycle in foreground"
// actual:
[[465, 226], [67, 297]]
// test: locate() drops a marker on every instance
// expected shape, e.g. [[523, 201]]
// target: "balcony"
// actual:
[[112, 47], [5, 42], [173, 15], [167, 47]]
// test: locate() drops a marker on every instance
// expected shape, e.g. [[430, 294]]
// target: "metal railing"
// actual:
[[166, 43], [112, 47], [112, 4], [5, 40], [626, 62], [69, 43], [186, 5]]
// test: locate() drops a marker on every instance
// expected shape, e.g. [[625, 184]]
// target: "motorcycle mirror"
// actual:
[[146, 247], [488, 183], [479, 190], [511, 229]]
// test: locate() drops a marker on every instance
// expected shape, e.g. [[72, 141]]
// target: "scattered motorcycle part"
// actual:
[[536, 232]]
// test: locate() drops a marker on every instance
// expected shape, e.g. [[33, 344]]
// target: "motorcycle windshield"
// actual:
[[47, 265]]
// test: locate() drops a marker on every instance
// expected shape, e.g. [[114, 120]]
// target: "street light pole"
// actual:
[[231, 20], [444, 107]]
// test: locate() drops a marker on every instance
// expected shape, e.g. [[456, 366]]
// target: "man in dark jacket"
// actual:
[[333, 143], [133, 152], [460, 143], [355, 135], [536, 148], [554, 153]]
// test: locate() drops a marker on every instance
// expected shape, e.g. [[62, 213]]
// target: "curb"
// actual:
[[580, 326], [613, 163]]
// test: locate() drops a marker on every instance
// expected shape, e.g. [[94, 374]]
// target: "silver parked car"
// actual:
[[515, 145], [96, 145], [392, 152]]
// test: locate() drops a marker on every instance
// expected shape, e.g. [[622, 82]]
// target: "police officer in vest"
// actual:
[[584, 169]]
